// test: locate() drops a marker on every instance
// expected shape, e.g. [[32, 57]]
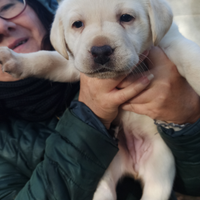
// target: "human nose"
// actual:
[[6, 27]]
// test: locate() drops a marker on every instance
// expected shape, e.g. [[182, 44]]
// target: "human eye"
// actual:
[[6, 7]]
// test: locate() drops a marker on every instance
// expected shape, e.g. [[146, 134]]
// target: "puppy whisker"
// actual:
[[145, 68], [139, 70], [147, 58]]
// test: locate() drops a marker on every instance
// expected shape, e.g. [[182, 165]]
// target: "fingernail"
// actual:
[[150, 76], [147, 79]]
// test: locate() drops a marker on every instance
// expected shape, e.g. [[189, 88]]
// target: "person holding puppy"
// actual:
[[175, 106], [48, 152], [173, 103]]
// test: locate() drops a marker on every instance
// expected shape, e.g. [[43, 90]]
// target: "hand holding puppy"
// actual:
[[169, 97], [103, 97]]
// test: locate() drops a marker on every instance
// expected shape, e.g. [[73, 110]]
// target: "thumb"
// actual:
[[136, 108]]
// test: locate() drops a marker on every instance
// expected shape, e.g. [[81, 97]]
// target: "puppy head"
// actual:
[[105, 38]]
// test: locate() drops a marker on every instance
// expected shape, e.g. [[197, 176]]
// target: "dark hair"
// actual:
[[46, 18]]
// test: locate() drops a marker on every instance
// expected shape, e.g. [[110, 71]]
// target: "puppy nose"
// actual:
[[101, 54]]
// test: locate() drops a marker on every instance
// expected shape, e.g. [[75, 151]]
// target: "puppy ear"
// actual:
[[57, 36], [161, 17]]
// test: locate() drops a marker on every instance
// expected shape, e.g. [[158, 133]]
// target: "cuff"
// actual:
[[83, 112], [190, 130]]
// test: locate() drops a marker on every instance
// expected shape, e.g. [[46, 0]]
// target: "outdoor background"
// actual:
[[187, 16]]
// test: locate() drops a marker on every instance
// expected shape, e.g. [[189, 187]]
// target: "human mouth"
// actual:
[[17, 43], [20, 43]]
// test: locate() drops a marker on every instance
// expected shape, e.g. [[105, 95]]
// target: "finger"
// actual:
[[96, 84], [123, 95], [136, 108], [146, 96], [133, 76], [141, 109], [156, 57], [128, 80]]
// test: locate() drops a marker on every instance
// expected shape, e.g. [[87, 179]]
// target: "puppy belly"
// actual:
[[140, 155], [137, 140], [135, 150]]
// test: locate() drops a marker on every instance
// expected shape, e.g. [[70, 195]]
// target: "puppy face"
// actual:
[[103, 38]]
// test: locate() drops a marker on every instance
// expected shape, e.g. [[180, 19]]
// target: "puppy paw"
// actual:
[[10, 62]]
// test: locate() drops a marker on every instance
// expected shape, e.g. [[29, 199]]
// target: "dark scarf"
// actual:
[[35, 99]]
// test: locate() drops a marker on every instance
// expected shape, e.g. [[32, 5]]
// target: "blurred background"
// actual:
[[187, 17]]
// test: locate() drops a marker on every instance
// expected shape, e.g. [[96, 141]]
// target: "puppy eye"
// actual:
[[78, 24], [126, 18]]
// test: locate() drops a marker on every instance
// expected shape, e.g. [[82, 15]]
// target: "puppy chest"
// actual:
[[137, 139]]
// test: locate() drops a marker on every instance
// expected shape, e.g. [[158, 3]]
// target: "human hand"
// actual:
[[169, 97], [103, 97], [5, 77], [185, 197]]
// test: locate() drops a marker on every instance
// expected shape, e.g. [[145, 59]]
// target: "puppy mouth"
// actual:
[[102, 70], [105, 73]]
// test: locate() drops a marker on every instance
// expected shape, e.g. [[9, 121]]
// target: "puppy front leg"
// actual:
[[158, 173], [106, 189], [42, 64], [185, 54]]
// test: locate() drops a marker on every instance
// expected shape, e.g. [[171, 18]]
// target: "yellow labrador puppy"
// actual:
[[104, 39]]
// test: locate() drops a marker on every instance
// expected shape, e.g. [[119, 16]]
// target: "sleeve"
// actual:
[[21, 149], [75, 157], [185, 146]]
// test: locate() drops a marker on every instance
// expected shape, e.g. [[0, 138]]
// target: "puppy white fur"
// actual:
[[79, 26]]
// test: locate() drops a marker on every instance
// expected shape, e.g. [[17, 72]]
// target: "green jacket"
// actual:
[[185, 146], [37, 162]]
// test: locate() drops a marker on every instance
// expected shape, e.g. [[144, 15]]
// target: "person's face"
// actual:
[[22, 34]]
